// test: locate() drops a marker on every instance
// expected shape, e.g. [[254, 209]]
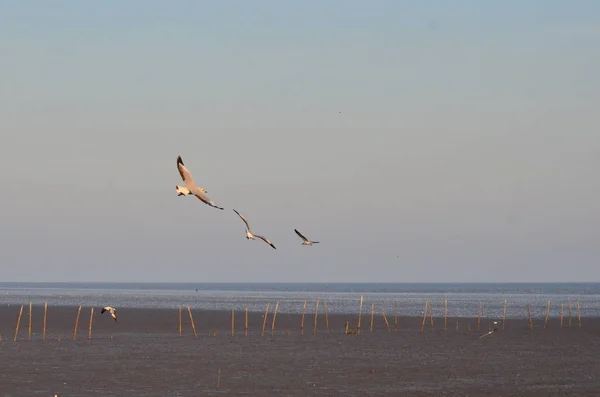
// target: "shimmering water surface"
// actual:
[[408, 299]]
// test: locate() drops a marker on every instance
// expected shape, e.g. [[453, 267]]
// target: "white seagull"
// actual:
[[190, 186], [250, 235], [111, 310], [305, 241]]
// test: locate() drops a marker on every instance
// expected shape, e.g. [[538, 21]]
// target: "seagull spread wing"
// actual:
[[185, 174], [204, 198], [300, 235], [244, 219], [266, 240]]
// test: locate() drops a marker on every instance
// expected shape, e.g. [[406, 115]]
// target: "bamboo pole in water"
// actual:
[[18, 323], [446, 315], [302, 321], [479, 313], [372, 315], [91, 319], [274, 317], [386, 321], [425, 315], [396, 316], [326, 316], [359, 314], [578, 313], [547, 313], [30, 309], [265, 319], [529, 316], [562, 310], [180, 321], [569, 314], [192, 321], [232, 321], [246, 329], [45, 312], [316, 314], [76, 323], [504, 315], [431, 316]]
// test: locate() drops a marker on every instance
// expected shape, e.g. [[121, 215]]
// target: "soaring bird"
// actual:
[[111, 310], [249, 234], [190, 186], [305, 241]]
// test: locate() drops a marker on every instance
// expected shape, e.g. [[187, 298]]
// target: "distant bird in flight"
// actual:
[[250, 235], [111, 310], [305, 241], [190, 185]]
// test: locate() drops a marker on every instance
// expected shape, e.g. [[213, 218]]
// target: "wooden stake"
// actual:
[[386, 321], [547, 313], [302, 321], [180, 321], [425, 315], [29, 339], [504, 315], [529, 316], [18, 323], [326, 316], [372, 315], [76, 323], [396, 316], [479, 312], [457, 323], [446, 315], [274, 317], [562, 309], [265, 319], [192, 321], [246, 329], [45, 312], [91, 319], [431, 316], [316, 314], [359, 314], [232, 321], [569, 314], [578, 313]]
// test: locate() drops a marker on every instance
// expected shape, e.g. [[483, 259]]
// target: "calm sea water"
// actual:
[[409, 299]]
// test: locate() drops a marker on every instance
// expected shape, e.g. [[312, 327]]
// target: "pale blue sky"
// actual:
[[467, 148]]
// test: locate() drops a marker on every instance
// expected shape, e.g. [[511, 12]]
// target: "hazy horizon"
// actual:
[[418, 142]]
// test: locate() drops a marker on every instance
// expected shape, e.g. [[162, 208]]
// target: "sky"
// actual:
[[424, 141]]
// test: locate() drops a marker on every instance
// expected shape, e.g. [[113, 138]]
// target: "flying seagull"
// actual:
[[190, 186], [305, 241], [111, 310], [250, 235]]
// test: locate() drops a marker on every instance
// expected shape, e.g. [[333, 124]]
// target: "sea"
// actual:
[[405, 299]]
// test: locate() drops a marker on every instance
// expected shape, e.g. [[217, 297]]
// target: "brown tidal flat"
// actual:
[[143, 355]]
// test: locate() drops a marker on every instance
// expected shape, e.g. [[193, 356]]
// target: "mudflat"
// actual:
[[142, 354]]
